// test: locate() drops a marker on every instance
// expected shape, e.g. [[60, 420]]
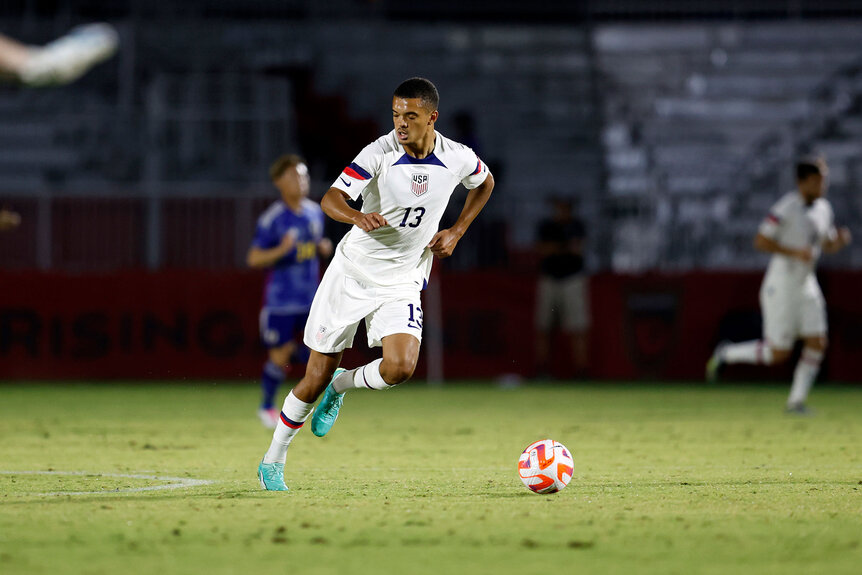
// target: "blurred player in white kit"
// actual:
[[795, 231]]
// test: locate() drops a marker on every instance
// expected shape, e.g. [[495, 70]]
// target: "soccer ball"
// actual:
[[546, 466]]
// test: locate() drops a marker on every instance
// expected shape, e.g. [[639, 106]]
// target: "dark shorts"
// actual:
[[278, 328]]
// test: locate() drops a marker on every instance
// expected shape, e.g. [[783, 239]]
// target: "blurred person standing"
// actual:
[[288, 242], [796, 230], [562, 298]]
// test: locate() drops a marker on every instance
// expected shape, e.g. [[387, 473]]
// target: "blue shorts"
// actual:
[[278, 328]]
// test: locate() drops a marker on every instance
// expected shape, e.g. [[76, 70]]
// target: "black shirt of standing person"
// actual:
[[562, 260]]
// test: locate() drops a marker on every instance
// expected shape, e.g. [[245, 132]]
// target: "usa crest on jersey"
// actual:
[[419, 185]]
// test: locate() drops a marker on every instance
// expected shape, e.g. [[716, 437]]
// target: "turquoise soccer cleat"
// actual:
[[327, 410], [271, 476]]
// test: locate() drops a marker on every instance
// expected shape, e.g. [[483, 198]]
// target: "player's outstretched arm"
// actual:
[[842, 239], [334, 204], [443, 243], [13, 55], [62, 61]]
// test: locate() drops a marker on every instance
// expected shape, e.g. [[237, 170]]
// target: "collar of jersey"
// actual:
[[429, 159]]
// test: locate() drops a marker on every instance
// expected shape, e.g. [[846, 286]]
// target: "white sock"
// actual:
[[755, 351], [365, 377], [804, 375], [293, 415]]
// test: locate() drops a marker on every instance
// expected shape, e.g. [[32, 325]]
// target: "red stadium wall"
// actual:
[[665, 326], [129, 325], [183, 324]]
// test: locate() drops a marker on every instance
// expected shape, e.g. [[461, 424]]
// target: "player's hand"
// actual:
[[324, 247], [844, 236], [803, 254], [9, 220], [288, 240], [443, 243], [369, 222]]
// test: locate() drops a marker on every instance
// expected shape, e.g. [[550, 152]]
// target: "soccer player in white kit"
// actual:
[[405, 179], [797, 229]]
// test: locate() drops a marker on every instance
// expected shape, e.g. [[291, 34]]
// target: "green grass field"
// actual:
[[422, 480]]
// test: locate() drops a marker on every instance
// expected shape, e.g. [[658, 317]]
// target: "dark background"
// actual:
[[674, 125]]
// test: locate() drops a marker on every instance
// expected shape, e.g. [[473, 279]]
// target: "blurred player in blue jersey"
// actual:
[[288, 241]]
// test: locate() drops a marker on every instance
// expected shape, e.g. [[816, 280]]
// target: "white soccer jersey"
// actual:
[[411, 194], [794, 224]]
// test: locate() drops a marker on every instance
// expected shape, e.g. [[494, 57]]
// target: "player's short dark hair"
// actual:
[[420, 88], [282, 164], [809, 167]]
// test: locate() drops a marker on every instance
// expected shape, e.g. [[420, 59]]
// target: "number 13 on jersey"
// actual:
[[415, 220]]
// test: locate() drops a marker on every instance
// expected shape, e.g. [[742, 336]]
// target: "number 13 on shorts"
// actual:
[[415, 316]]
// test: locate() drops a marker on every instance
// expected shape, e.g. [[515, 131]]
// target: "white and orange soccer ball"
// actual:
[[546, 466]]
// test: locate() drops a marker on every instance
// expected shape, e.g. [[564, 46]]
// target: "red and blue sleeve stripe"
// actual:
[[772, 218], [354, 170], [478, 167]]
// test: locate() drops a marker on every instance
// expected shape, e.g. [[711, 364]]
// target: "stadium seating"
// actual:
[[211, 108], [676, 137], [705, 121]]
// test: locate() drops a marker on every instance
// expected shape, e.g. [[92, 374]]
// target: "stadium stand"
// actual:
[[704, 123], [209, 114], [676, 137]]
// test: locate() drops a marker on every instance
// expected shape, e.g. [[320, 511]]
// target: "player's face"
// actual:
[[293, 183], [412, 120], [813, 187]]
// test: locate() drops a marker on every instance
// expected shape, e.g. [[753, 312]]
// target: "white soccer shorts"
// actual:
[[791, 312], [343, 299]]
